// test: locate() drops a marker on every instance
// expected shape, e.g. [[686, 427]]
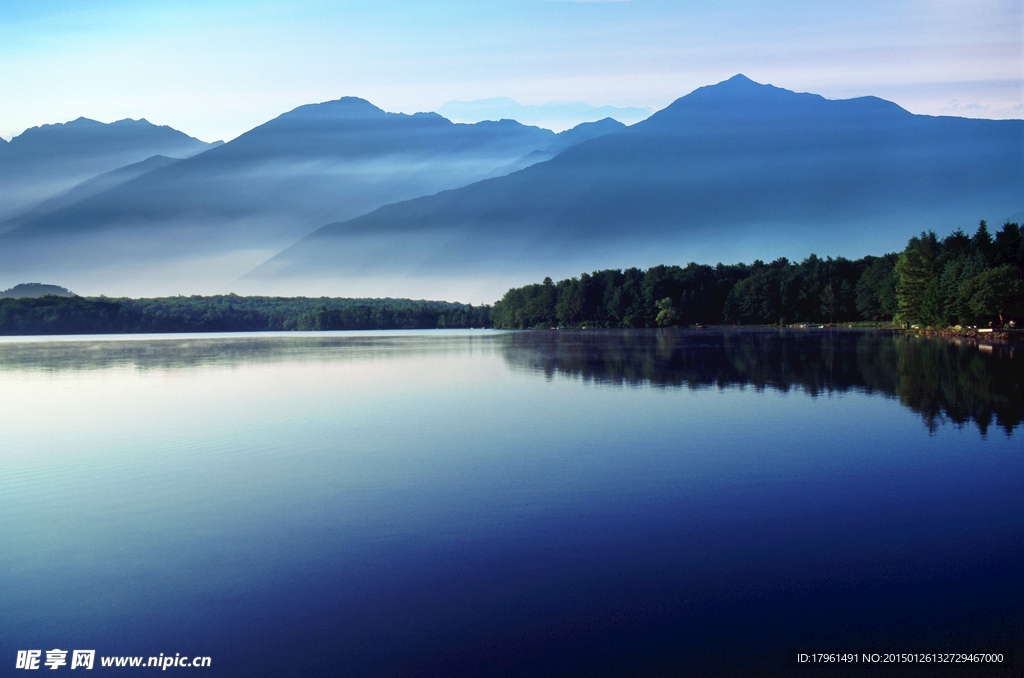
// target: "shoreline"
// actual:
[[984, 335]]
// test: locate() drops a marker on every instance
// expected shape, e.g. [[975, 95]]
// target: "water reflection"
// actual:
[[404, 504], [177, 351], [945, 382]]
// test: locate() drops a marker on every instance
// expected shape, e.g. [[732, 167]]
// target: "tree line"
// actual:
[[229, 313], [957, 280], [961, 280]]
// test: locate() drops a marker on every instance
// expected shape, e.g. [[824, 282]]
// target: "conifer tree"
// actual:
[[917, 288]]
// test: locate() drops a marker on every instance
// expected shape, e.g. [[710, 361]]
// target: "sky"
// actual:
[[216, 68]]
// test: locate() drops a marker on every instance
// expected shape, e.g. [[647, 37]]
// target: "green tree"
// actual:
[[569, 308], [829, 302], [982, 240], [917, 288], [1009, 246], [955, 273], [995, 292], [667, 313]]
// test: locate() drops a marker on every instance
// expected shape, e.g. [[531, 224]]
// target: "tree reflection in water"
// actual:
[[944, 381]]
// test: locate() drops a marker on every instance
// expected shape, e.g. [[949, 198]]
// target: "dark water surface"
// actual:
[[508, 504]]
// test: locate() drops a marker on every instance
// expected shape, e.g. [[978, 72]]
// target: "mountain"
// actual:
[[43, 162], [563, 140], [553, 116], [35, 290], [731, 172], [86, 189], [224, 211]]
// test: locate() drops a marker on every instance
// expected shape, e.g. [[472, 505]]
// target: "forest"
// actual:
[[228, 313], [958, 280]]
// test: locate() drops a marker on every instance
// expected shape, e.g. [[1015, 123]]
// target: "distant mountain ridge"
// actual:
[[416, 205], [552, 115], [43, 162], [242, 201], [79, 137], [731, 172]]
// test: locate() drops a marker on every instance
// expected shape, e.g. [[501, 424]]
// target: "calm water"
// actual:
[[484, 503]]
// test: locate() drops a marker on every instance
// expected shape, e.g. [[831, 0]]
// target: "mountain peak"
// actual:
[[740, 86], [337, 115], [739, 78], [352, 108], [740, 98], [129, 122], [64, 138], [78, 122]]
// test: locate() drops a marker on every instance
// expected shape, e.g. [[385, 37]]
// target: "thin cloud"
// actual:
[[978, 110], [955, 105]]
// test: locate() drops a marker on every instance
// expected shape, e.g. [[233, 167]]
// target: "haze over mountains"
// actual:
[[225, 211], [730, 172], [553, 116], [45, 161]]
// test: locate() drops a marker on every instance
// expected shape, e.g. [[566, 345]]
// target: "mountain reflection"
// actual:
[[943, 381]]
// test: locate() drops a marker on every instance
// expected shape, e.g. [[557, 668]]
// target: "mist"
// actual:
[[196, 225], [342, 198], [730, 173]]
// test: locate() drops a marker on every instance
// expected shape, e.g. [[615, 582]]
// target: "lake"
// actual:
[[482, 503]]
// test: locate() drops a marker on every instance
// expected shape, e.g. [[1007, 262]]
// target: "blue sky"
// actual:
[[217, 68]]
